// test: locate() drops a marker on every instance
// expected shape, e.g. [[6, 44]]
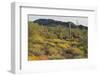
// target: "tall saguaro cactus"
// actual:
[[69, 30]]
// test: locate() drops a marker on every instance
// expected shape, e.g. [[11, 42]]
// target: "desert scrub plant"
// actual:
[[63, 45], [36, 39], [57, 40], [74, 43], [57, 56], [49, 35], [30, 58], [52, 50], [30, 44], [37, 46], [37, 52], [43, 57], [73, 53], [51, 43], [33, 28], [77, 51]]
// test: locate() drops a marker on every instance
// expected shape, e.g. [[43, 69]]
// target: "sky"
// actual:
[[75, 19]]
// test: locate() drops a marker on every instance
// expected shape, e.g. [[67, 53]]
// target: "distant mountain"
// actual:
[[51, 22]]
